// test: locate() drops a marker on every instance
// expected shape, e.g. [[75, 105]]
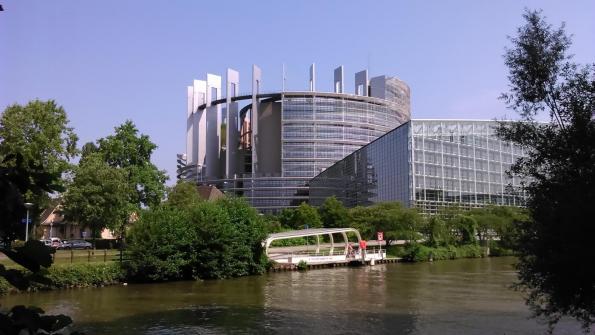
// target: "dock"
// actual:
[[323, 255]]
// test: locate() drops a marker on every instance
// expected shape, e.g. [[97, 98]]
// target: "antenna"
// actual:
[[283, 78]]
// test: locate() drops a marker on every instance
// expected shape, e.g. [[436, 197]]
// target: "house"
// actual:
[[53, 224]]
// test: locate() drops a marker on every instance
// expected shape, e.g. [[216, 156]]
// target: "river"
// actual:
[[469, 296]]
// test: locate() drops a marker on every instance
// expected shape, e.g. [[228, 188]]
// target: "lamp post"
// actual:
[[28, 205]]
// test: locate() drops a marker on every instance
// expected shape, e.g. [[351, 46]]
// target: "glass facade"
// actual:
[[426, 164], [318, 131]]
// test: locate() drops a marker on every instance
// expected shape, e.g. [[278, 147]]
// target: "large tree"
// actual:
[[98, 196], [333, 214], [555, 247], [131, 151], [39, 134]]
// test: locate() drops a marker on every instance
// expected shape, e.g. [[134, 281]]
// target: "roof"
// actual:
[[309, 232], [210, 193]]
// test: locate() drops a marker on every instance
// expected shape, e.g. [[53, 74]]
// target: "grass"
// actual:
[[75, 257]]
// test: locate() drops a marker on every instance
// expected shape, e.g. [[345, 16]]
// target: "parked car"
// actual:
[[76, 244], [56, 242]]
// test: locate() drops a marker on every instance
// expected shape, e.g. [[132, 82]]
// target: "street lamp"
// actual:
[[28, 205]]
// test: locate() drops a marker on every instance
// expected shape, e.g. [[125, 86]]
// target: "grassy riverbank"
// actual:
[[422, 253], [69, 276], [74, 256]]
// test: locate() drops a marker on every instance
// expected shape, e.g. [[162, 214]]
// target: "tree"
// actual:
[[302, 217], [128, 150], [361, 220], [204, 240], [437, 232], [39, 134], [98, 196], [17, 178], [466, 227], [183, 194], [333, 214], [555, 246]]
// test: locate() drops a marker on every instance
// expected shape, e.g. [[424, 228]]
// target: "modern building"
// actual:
[[266, 146], [426, 164]]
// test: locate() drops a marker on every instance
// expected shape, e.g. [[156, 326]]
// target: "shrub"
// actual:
[[302, 265], [84, 275], [69, 276], [5, 286], [199, 240], [421, 253]]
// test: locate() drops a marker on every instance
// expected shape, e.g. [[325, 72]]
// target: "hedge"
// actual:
[[422, 253], [71, 275]]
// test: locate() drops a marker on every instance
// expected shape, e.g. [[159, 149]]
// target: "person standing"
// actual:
[[362, 248]]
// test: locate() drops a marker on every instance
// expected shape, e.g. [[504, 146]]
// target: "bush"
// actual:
[[497, 249], [84, 275], [422, 253], [302, 265], [5, 286], [200, 240], [69, 276]]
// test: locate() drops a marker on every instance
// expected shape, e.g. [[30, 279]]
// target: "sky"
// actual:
[[112, 60]]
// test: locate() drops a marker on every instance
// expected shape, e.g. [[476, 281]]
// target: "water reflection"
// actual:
[[452, 297]]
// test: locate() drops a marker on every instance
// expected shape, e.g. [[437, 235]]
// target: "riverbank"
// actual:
[[62, 276], [83, 275], [466, 296]]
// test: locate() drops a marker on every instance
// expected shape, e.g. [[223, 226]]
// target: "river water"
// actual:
[[468, 296]]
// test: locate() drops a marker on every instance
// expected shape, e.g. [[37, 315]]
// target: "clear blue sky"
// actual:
[[108, 61]]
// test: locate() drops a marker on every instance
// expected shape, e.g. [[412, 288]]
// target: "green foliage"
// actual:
[[272, 223], [85, 275], [128, 150], [419, 253], [17, 178], [300, 217], [555, 246], [98, 196], [497, 250], [40, 134], [391, 218], [204, 240], [333, 214], [302, 265], [36, 145], [5, 286], [466, 227], [361, 219], [67, 276], [438, 232], [183, 194]]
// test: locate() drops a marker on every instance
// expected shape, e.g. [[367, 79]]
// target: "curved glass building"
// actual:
[[267, 146]]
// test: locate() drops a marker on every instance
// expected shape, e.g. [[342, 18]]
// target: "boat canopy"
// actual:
[[312, 232]]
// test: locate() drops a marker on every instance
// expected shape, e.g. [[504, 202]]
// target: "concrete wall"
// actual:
[[338, 82], [196, 124], [233, 132], [269, 120], [256, 88], [361, 82], [213, 127], [378, 87]]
